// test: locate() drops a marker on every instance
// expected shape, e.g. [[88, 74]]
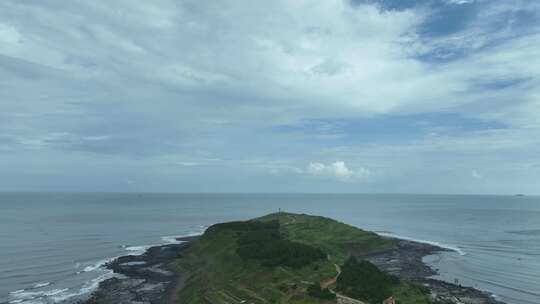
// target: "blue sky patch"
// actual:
[[448, 19]]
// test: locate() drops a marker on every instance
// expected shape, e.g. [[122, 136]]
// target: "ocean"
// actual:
[[53, 245]]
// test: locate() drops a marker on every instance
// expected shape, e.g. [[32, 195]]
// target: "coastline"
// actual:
[[150, 277], [146, 278], [406, 260]]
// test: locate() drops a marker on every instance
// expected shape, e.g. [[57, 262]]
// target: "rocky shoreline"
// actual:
[[406, 261], [151, 278]]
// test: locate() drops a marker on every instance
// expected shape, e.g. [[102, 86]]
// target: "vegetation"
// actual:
[[263, 241], [279, 258], [363, 280], [337, 239], [412, 293], [316, 291]]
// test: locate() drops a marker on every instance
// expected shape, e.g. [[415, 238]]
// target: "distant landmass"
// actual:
[[283, 258]]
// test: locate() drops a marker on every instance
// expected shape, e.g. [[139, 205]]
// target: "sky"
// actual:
[[377, 96]]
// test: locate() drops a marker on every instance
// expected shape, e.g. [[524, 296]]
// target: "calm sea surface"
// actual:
[[53, 246]]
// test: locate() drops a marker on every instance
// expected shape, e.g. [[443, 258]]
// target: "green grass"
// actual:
[[221, 276], [335, 238]]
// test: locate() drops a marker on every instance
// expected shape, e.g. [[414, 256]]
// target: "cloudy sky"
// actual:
[[427, 96]]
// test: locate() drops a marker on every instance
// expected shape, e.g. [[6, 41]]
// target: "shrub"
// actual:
[[316, 291], [263, 241], [363, 280]]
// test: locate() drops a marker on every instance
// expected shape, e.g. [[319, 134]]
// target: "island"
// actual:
[[283, 258]]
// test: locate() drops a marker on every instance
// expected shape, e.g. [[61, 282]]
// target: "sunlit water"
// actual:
[[53, 246]]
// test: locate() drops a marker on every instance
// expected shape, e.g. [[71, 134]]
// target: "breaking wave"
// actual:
[[445, 246]]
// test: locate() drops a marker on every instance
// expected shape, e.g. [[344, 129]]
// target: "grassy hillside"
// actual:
[[279, 258], [335, 238]]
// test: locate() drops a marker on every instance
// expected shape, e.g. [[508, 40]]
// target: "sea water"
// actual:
[[53, 246]]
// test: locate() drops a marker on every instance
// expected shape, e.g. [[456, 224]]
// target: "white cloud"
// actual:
[[337, 170], [9, 34], [325, 57], [459, 2], [210, 80], [475, 174]]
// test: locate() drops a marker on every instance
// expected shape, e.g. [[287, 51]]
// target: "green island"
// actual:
[[290, 258]]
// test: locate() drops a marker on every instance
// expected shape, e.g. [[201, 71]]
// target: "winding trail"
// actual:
[[333, 280], [341, 299]]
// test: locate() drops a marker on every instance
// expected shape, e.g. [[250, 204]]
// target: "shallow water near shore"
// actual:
[[54, 244]]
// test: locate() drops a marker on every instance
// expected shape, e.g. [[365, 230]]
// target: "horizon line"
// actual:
[[259, 192]]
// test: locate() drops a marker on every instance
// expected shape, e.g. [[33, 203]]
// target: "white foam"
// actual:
[[173, 239], [55, 292], [43, 284], [449, 247], [87, 288], [23, 296], [56, 295], [138, 250], [134, 263], [168, 239], [25, 302], [91, 268], [97, 265]]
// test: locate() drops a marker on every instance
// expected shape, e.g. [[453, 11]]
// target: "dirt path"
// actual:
[[333, 280], [341, 299]]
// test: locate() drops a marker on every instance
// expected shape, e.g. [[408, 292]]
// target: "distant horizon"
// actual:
[[273, 193]]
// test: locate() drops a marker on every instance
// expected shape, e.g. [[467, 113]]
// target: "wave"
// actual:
[[23, 296], [87, 288], [39, 285], [138, 250], [445, 246], [173, 239], [168, 239], [56, 295], [97, 265]]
